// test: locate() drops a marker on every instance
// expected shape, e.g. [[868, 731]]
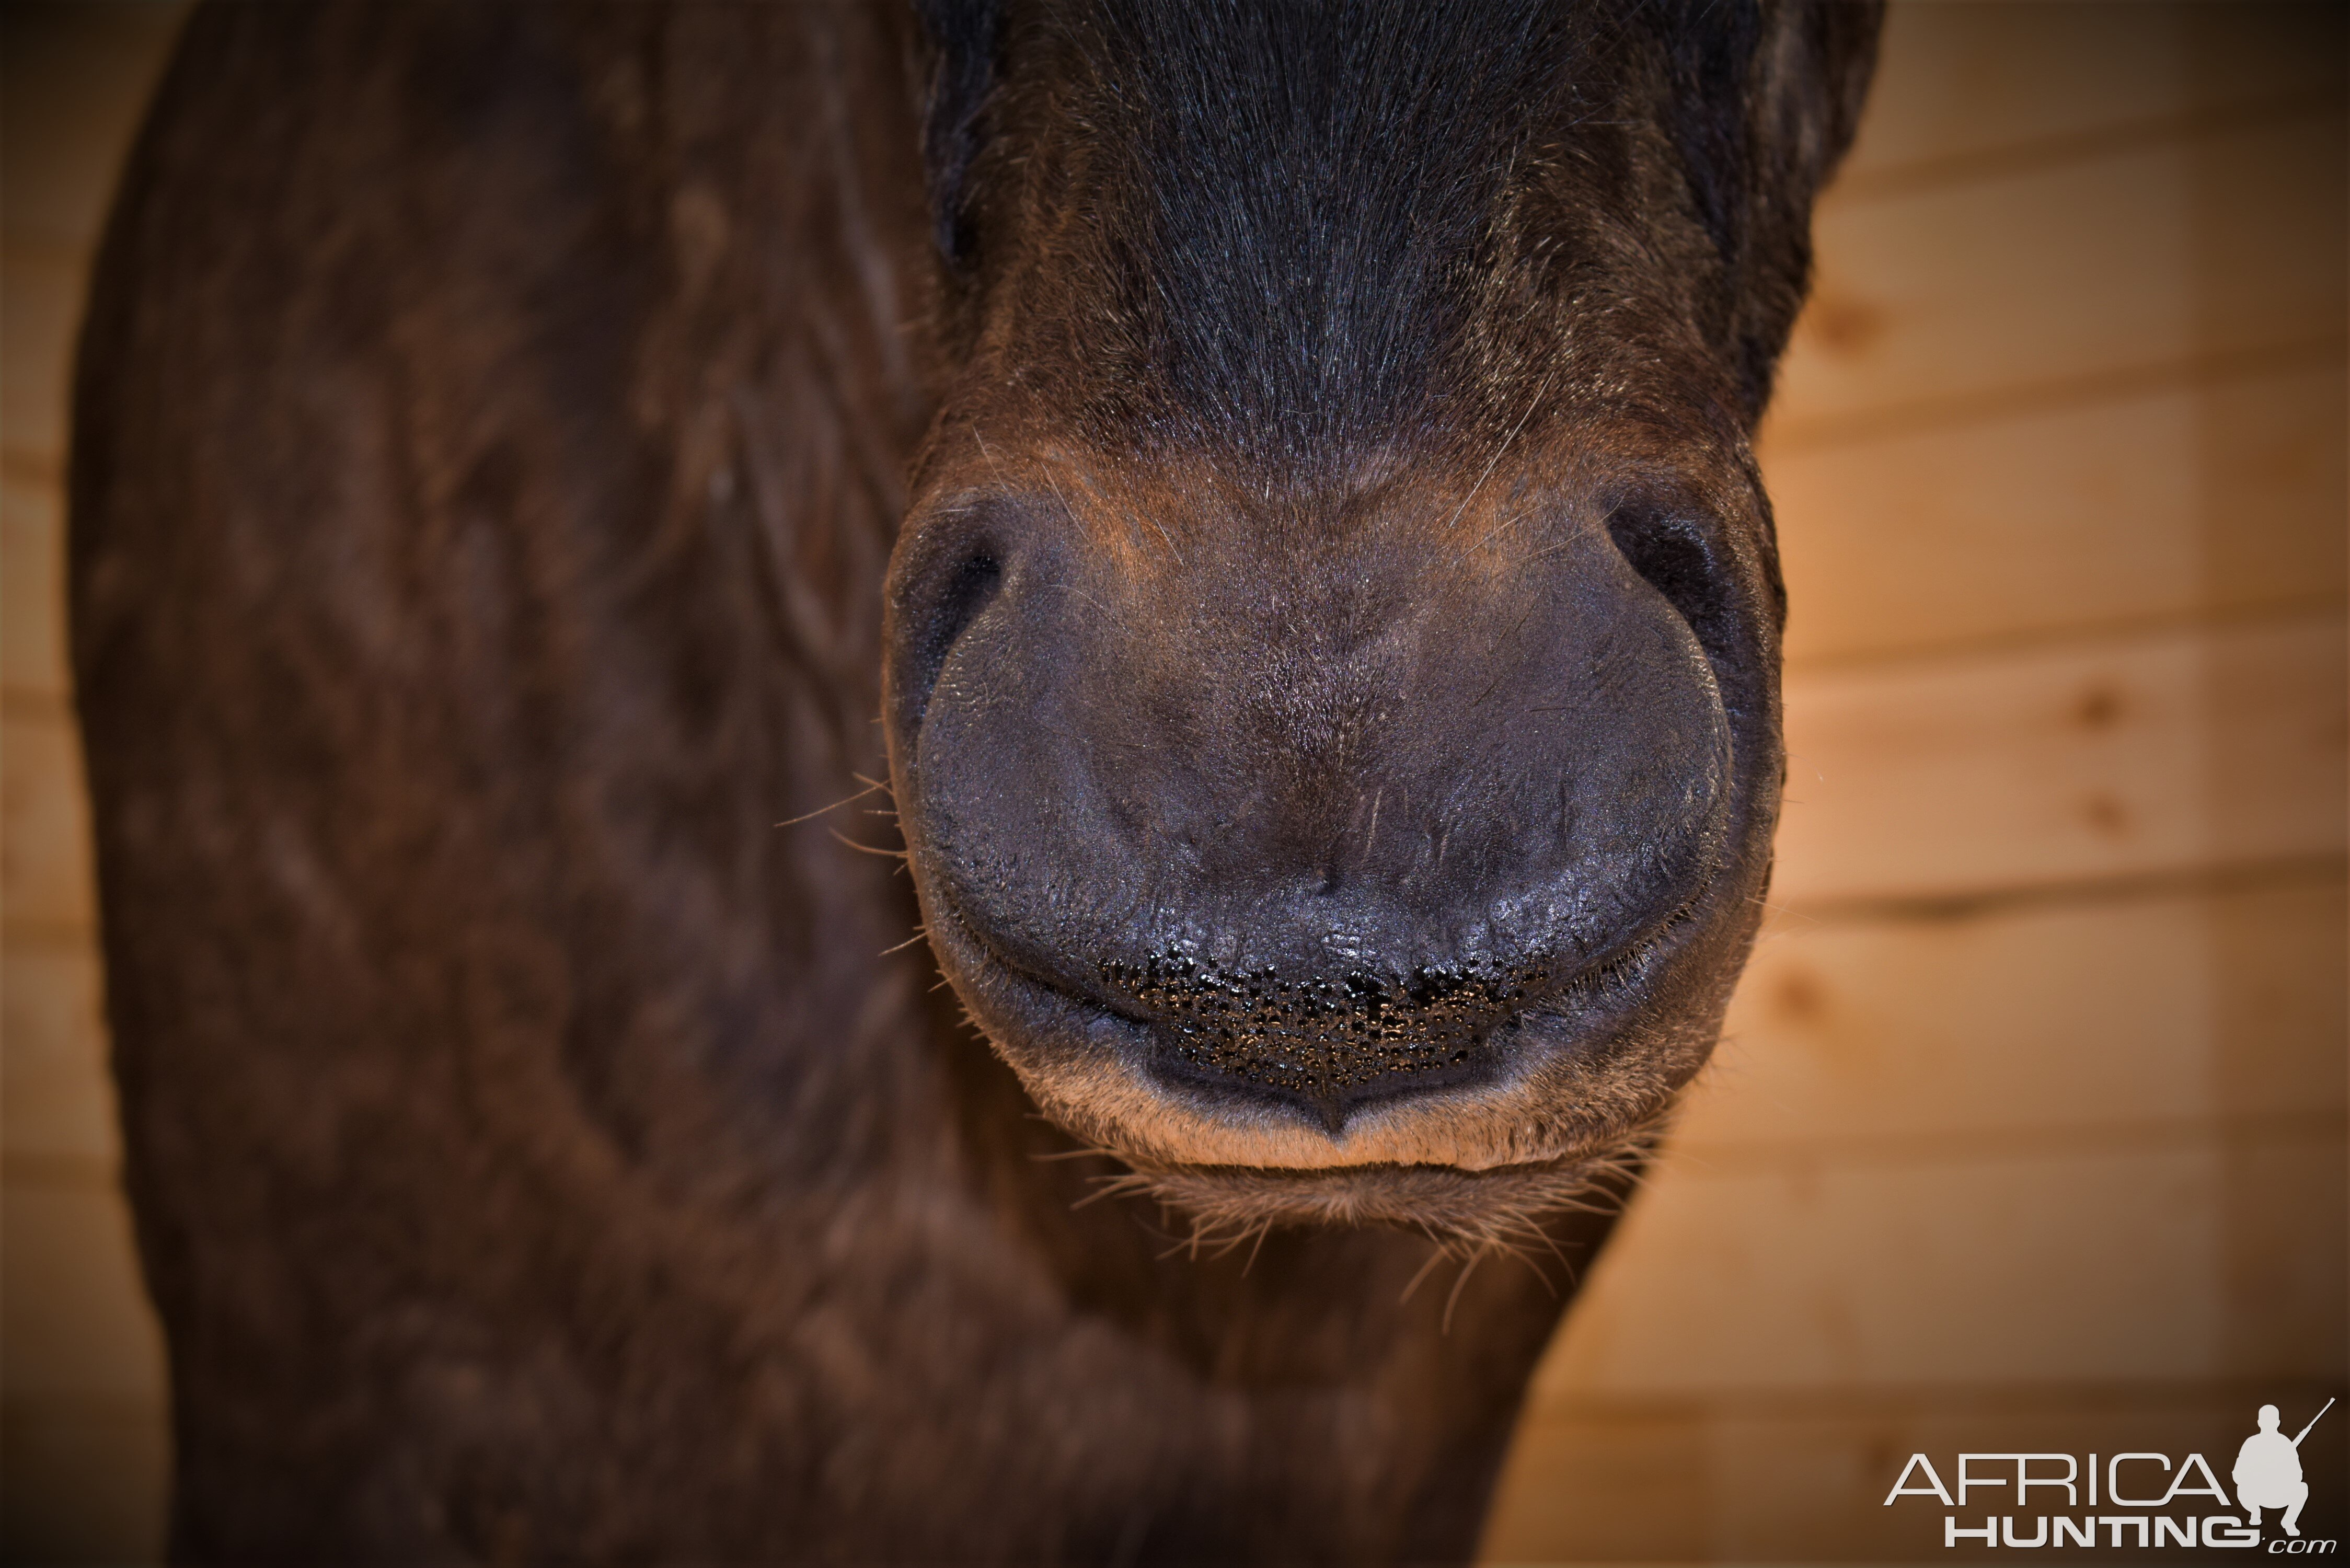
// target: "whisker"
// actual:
[[1112, 1187], [1261, 1232], [898, 854], [1437, 1252], [810, 816], [1540, 393], [1454, 1300]]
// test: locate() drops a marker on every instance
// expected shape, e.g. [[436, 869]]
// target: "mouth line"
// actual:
[[1309, 1176], [1600, 992]]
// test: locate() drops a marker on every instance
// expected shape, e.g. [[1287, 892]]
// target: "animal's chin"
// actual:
[[1504, 1206]]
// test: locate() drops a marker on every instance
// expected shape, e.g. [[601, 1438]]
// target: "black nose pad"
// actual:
[[1326, 1041]]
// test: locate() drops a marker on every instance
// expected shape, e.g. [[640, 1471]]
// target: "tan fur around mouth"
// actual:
[[1465, 1210]]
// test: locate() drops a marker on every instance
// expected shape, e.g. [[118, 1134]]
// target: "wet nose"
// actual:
[[1320, 837]]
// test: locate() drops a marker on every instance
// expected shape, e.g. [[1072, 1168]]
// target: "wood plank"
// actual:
[[2214, 499], [2165, 752], [1629, 1488], [40, 310], [2035, 1022], [2216, 1256], [87, 1480], [44, 869], [2061, 1266], [2285, 1269], [32, 589], [2230, 242], [1977, 81], [74, 1313], [74, 80], [57, 1099]]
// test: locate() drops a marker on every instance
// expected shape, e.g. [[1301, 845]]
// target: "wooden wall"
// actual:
[[83, 1442], [2029, 1133]]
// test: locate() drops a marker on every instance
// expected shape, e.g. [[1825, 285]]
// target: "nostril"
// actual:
[[967, 592], [964, 590], [1674, 555]]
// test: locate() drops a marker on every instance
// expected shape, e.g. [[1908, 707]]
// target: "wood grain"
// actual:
[[2221, 498], [1961, 86], [71, 1308], [2068, 1264], [40, 306], [56, 1102], [45, 867], [2001, 1029], [2126, 756], [2073, 275], [32, 590]]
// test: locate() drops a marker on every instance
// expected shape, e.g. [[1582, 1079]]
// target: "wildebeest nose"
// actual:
[[1318, 833]]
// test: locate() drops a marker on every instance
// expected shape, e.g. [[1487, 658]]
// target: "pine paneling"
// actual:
[[2072, 275], [78, 73], [1964, 85], [45, 874], [32, 589], [2216, 498], [2075, 1263], [85, 1479], [1873, 1036], [2078, 1267], [83, 1424], [55, 1103], [2162, 752], [71, 1308], [40, 305]]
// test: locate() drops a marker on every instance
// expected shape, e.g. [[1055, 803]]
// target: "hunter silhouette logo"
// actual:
[[2137, 1499], [2268, 1471]]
